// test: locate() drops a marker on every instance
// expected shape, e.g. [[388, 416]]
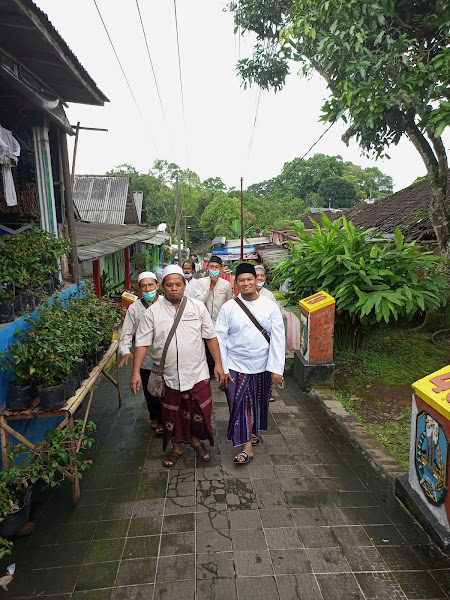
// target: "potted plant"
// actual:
[[6, 305], [59, 456]]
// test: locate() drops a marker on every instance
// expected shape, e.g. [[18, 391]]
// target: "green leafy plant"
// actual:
[[56, 458], [60, 334], [373, 282], [139, 261]]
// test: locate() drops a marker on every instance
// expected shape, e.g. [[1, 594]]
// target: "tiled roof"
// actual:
[[406, 209]]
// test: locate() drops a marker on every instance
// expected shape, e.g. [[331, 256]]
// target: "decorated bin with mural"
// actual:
[[426, 488]]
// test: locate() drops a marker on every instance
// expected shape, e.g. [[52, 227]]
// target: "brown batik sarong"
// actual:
[[187, 414]]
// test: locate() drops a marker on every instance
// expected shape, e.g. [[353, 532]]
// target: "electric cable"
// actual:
[[298, 160], [154, 73], [181, 81], [254, 122]]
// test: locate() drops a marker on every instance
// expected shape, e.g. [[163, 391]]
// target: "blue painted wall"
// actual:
[[33, 429]]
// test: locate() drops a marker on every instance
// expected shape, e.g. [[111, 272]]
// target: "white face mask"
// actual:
[[260, 284]]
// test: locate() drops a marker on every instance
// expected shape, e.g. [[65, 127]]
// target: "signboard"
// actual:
[[238, 257], [434, 389], [316, 302]]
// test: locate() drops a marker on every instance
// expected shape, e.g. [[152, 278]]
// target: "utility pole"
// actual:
[[75, 148], [242, 218], [185, 231], [177, 222]]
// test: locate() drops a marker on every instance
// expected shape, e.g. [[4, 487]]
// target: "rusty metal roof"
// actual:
[[27, 35], [97, 239], [102, 199]]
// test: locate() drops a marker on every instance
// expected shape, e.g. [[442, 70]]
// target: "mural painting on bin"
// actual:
[[429, 451]]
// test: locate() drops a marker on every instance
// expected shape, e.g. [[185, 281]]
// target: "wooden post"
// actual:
[[75, 148], [126, 255], [96, 275], [70, 209]]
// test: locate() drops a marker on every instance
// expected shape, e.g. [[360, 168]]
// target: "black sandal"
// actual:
[[172, 457], [247, 458], [202, 452], [255, 441]]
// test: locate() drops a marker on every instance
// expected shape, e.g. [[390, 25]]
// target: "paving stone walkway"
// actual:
[[308, 519]]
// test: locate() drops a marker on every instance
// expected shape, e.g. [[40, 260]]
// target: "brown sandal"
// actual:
[[171, 459], [202, 452]]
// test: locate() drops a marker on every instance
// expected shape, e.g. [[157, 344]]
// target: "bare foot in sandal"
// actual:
[[245, 456], [172, 457], [200, 449]]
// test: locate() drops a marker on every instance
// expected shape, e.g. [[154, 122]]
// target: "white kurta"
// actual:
[[186, 357], [213, 299], [128, 331], [191, 286], [267, 293], [243, 348]]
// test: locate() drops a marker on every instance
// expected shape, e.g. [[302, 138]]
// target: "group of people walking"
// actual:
[[196, 331]]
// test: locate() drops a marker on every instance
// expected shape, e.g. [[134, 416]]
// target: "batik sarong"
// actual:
[[248, 401], [187, 414]]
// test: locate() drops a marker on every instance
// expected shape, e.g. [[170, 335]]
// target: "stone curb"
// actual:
[[371, 448]]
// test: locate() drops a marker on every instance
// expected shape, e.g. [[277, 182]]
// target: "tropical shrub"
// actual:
[[373, 282]]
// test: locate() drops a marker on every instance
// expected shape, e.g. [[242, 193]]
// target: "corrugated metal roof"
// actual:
[[257, 241], [138, 200], [93, 235], [27, 34], [101, 199], [158, 239], [272, 253]]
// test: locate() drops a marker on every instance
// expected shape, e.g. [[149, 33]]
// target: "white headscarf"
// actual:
[[172, 270], [146, 274]]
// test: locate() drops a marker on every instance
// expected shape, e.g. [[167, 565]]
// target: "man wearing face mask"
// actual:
[[260, 281], [148, 286], [213, 291], [191, 282]]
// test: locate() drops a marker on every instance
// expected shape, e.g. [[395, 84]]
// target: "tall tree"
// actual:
[[370, 182], [386, 63], [338, 192]]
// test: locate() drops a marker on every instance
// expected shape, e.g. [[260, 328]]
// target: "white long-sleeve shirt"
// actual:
[[128, 331], [243, 348], [186, 358], [267, 293], [191, 286], [213, 299]]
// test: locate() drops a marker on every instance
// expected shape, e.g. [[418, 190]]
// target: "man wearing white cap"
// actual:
[[148, 286], [260, 280], [187, 401]]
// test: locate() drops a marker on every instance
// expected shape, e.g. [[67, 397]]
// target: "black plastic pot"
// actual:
[[15, 521], [56, 281], [6, 310], [28, 300], [52, 398], [83, 370], [69, 387], [19, 397], [90, 363], [48, 286], [18, 305], [76, 377]]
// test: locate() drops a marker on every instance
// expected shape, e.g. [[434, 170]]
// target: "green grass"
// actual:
[[392, 359]]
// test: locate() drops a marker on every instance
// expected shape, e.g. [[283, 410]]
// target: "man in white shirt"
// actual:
[[260, 281], [187, 402], [213, 291], [250, 362], [148, 286], [191, 282]]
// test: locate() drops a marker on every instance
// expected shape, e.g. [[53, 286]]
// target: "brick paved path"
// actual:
[[307, 519]]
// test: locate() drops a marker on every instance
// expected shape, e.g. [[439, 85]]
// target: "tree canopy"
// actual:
[[386, 63]]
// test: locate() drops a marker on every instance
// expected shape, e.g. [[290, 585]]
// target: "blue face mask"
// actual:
[[187, 275], [214, 273], [149, 296]]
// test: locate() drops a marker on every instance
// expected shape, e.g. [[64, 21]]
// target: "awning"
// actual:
[[158, 239], [119, 237]]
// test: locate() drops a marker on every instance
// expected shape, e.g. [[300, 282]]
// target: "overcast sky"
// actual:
[[213, 135]]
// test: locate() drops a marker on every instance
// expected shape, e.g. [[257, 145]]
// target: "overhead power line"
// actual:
[[181, 79], [117, 56], [254, 121], [296, 163], [153, 71]]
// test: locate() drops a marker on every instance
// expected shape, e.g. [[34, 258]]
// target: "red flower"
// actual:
[[37, 243], [45, 241], [24, 254]]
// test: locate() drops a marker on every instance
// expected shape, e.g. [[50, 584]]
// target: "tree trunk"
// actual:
[[439, 214]]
